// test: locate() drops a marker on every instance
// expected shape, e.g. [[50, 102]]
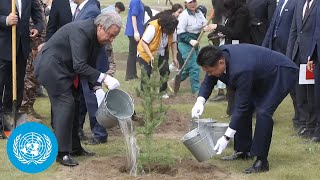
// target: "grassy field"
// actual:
[[290, 157]]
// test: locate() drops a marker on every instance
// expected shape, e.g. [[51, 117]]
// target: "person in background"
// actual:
[[262, 79], [30, 82], [314, 66], [134, 28], [191, 22], [277, 39], [298, 49], [118, 8], [261, 15], [158, 35]]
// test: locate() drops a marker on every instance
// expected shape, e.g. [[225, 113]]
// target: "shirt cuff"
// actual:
[[100, 77], [7, 21]]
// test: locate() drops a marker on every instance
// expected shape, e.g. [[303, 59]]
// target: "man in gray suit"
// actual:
[[72, 52], [298, 49]]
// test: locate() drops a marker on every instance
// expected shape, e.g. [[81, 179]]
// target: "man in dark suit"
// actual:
[[88, 100], [277, 38], [314, 65], [25, 10], [261, 16], [70, 54], [262, 78], [298, 49]]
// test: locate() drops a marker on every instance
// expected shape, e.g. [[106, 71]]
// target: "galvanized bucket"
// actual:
[[200, 143], [217, 130], [200, 122], [115, 106]]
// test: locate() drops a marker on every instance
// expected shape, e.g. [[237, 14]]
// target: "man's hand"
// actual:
[[221, 145], [193, 43], [210, 28], [310, 64], [100, 96], [12, 19], [136, 36], [198, 107], [111, 82], [34, 33]]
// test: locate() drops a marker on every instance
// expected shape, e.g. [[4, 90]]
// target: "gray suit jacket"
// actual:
[[301, 33], [71, 50]]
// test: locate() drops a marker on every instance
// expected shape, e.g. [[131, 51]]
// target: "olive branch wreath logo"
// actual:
[[25, 161]]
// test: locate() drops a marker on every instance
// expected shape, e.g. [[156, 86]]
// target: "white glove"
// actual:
[[223, 142], [193, 43], [100, 96], [111, 82], [221, 145], [198, 107], [136, 36]]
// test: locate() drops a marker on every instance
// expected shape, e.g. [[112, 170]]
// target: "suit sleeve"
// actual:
[[292, 35], [37, 15], [207, 86], [242, 99], [240, 27], [80, 44], [52, 26], [269, 34]]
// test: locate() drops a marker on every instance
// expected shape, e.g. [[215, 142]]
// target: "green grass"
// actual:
[[290, 157]]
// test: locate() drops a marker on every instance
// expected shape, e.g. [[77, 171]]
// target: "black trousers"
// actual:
[[164, 70], [65, 119], [131, 72], [317, 95], [6, 82]]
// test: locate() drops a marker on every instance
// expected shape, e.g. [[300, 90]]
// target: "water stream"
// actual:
[[131, 143]]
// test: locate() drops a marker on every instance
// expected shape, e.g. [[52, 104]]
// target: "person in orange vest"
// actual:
[[158, 35]]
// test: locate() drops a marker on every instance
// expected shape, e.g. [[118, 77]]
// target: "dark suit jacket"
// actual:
[[60, 14], [315, 48], [250, 70], [29, 9], [237, 27], [280, 26], [89, 11], [71, 50], [301, 33], [261, 11]]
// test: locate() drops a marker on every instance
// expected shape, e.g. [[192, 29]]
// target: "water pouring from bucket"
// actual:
[[117, 108]]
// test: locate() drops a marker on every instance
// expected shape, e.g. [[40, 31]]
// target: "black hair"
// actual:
[[120, 6], [168, 23], [203, 9], [231, 6], [176, 7], [209, 56]]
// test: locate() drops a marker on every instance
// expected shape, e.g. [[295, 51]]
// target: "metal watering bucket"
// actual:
[[200, 143], [115, 106], [217, 130], [200, 122]]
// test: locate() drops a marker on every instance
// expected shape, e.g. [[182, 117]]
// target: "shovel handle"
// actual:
[[14, 54]]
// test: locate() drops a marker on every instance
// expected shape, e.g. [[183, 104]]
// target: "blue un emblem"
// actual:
[[32, 147]]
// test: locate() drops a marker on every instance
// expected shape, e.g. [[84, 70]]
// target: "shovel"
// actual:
[[177, 78], [16, 118]]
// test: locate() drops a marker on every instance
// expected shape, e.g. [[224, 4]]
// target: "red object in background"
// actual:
[[76, 81], [309, 75]]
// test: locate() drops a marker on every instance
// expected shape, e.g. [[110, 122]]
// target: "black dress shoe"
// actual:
[[81, 135], [305, 133], [82, 152], [258, 166], [315, 139], [95, 141], [66, 160], [238, 156]]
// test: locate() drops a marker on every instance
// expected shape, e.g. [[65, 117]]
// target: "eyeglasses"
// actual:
[[193, 1]]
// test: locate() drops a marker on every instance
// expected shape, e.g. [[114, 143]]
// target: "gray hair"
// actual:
[[108, 19]]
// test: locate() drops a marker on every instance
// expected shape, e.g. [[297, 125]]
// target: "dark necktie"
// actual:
[[307, 10], [76, 12]]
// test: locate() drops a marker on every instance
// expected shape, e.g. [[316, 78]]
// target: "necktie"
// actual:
[[76, 12], [307, 10], [76, 81]]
